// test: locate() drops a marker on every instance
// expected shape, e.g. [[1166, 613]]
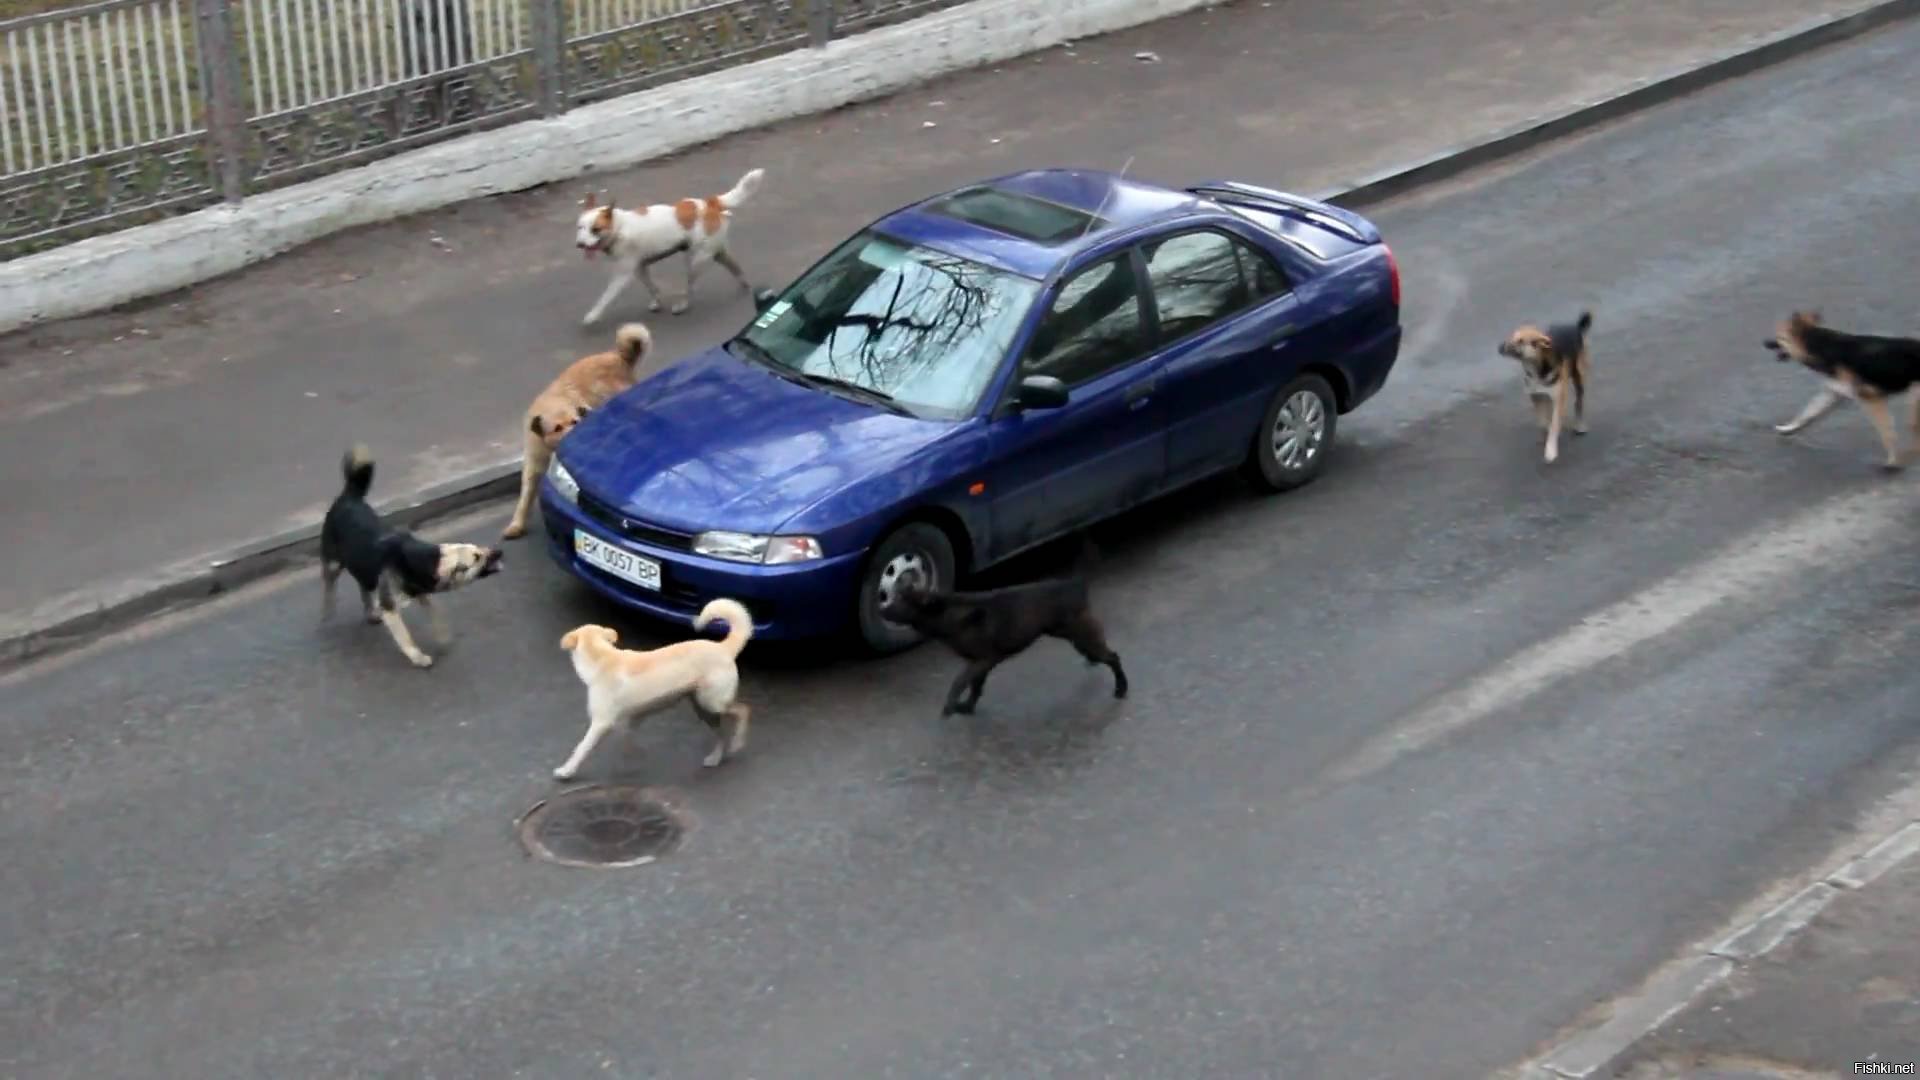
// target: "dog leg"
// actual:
[[740, 714], [1542, 412], [975, 672], [696, 262], [1876, 409], [1553, 428], [599, 308], [726, 262], [1818, 407], [441, 633], [644, 271], [598, 724], [1913, 413], [330, 576], [366, 603], [1088, 638], [397, 628], [1579, 405], [729, 727], [531, 467]]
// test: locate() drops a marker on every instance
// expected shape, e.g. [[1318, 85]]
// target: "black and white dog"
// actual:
[[392, 566]]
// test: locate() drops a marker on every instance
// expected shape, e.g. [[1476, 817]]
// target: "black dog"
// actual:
[[392, 566], [986, 628]]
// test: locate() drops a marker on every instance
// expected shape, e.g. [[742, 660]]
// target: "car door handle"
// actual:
[[1284, 336], [1138, 394]]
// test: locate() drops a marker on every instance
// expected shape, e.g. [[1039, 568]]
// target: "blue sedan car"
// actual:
[[972, 376]]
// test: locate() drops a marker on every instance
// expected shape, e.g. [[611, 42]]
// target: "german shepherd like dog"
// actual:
[[1552, 362], [1865, 368], [393, 567], [988, 628]]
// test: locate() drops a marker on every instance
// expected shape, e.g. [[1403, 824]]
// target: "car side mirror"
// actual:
[[763, 299], [1040, 392]]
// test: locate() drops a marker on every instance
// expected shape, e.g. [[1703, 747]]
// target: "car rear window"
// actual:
[[1016, 215]]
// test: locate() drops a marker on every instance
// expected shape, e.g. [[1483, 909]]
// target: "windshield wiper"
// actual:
[[757, 353], [854, 389]]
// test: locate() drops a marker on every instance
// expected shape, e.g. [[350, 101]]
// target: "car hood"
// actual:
[[715, 442]]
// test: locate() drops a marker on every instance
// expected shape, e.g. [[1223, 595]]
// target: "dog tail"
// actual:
[[357, 468], [632, 342], [739, 622], [742, 191], [1585, 322]]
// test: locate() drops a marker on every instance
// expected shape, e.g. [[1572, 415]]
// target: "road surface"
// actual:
[[1420, 762]]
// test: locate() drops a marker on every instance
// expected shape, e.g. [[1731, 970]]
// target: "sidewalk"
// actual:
[[189, 426], [1844, 992]]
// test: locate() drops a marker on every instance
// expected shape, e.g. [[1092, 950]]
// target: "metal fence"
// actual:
[[124, 111]]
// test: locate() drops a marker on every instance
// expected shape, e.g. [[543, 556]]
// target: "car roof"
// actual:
[[1032, 222]]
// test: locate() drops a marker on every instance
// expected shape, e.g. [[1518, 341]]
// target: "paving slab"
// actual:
[[1839, 999], [187, 426]]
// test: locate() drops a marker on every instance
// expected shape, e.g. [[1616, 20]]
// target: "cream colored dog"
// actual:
[[628, 684]]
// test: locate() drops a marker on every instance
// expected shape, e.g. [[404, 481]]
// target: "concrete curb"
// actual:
[[76, 619], [1677, 985], [150, 260]]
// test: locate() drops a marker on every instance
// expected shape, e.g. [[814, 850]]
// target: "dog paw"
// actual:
[[1785, 429], [513, 532], [714, 757], [421, 660], [679, 307], [1552, 455], [563, 774], [590, 319]]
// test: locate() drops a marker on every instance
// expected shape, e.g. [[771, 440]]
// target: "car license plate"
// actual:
[[624, 565]]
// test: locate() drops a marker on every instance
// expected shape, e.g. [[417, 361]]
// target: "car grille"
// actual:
[[637, 531]]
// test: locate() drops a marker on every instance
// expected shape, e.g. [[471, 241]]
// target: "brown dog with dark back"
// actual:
[[585, 385]]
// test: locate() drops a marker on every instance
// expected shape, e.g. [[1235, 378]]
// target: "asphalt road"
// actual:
[[1420, 762]]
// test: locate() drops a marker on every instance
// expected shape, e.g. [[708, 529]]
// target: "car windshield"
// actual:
[[904, 325]]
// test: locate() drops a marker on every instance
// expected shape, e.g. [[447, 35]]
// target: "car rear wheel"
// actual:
[[1295, 435], [915, 546]]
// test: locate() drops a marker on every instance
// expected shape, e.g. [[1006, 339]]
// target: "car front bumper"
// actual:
[[789, 602]]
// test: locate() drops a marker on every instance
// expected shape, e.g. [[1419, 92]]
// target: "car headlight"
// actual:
[[562, 481], [750, 548]]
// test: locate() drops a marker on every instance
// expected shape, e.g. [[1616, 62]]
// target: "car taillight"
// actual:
[[1393, 273]]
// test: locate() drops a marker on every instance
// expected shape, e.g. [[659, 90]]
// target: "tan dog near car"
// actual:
[[628, 684], [584, 386], [1552, 362]]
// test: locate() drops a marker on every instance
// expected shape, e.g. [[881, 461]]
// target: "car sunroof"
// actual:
[[1016, 215]]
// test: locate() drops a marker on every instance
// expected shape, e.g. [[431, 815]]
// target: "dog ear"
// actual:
[[537, 426], [569, 639], [589, 202], [581, 413]]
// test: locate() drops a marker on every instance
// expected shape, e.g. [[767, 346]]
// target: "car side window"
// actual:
[[1093, 326], [1196, 281], [1264, 279]]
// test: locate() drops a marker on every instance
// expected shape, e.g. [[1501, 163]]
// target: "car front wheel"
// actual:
[[1295, 435], [914, 547]]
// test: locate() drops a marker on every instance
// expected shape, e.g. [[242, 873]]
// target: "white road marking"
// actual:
[[1825, 534]]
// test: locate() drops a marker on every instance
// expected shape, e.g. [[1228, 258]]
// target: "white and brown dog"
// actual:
[[584, 386], [627, 684], [1553, 363], [636, 239]]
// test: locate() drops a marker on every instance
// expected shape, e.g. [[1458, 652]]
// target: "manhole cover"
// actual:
[[601, 826]]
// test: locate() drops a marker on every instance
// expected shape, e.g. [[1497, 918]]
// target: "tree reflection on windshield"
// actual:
[[922, 327]]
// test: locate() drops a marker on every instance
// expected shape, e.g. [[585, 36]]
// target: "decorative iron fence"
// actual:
[[125, 111]]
